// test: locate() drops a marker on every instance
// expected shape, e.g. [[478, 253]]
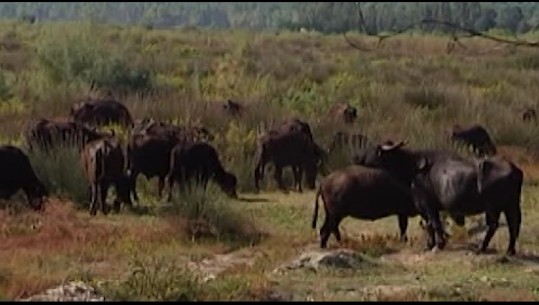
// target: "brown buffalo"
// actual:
[[362, 193], [294, 148], [17, 173], [104, 165], [199, 161], [529, 114], [99, 112], [475, 136], [156, 128], [45, 134], [233, 108], [343, 111]]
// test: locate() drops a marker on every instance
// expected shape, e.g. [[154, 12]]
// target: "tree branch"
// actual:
[[454, 39]]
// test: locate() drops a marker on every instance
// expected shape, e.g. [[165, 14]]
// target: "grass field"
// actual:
[[407, 89]]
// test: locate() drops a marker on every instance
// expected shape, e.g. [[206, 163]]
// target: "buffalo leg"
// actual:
[[335, 227], [403, 226], [133, 181], [325, 231], [103, 198], [278, 175], [93, 203], [297, 178], [160, 186], [492, 223], [170, 180], [513, 217]]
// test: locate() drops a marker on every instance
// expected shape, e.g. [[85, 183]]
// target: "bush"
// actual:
[[210, 215], [155, 279], [62, 173]]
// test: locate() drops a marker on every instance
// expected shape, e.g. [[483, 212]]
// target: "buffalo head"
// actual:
[[229, 184]]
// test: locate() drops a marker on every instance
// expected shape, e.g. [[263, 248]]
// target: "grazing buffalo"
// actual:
[[475, 136], [343, 111], [45, 135], [101, 112], [442, 180], [155, 128], [17, 173], [233, 108], [344, 139], [150, 155], [295, 125], [362, 193], [529, 114], [104, 165], [290, 148], [199, 161]]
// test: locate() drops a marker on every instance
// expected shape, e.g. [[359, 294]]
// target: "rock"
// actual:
[[74, 291], [314, 260]]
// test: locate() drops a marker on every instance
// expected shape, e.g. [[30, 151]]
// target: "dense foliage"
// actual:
[[515, 17]]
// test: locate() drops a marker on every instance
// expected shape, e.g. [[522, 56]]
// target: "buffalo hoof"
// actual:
[[436, 249], [480, 251], [510, 252], [403, 238]]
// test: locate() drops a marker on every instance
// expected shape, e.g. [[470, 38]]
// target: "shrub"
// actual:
[[210, 215], [155, 279], [62, 173]]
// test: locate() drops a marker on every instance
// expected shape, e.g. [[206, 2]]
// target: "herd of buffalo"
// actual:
[[383, 179]]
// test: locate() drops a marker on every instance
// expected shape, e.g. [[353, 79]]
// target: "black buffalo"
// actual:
[[99, 112], [233, 108], [104, 166], [529, 114], [17, 173], [181, 133], [199, 162], [149, 155], [290, 145], [475, 136], [442, 180], [45, 134], [362, 193]]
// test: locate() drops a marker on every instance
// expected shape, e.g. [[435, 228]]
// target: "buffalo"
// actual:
[[199, 161], [45, 134], [362, 193], [99, 112], [17, 173], [343, 111], [149, 155], [442, 180], [233, 108], [529, 114], [290, 145], [104, 166], [475, 136], [180, 133]]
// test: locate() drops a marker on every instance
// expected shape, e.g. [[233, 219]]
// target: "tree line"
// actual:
[[327, 17]]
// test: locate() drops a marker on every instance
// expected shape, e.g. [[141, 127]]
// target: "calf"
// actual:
[[104, 165]]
